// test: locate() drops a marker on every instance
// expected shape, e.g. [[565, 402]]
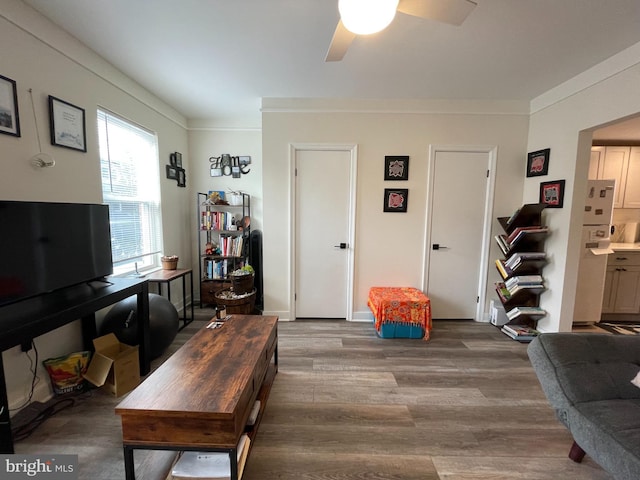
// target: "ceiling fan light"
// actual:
[[364, 17]]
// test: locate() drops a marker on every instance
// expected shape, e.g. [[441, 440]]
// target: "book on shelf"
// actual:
[[524, 280], [517, 258], [503, 292], [520, 232], [253, 415], [519, 332], [501, 240], [531, 311], [523, 288], [210, 465], [501, 268], [513, 216]]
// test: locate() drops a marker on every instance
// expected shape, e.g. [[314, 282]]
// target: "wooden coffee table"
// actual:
[[201, 397]]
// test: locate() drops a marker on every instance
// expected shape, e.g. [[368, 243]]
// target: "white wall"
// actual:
[[563, 120], [389, 248], [40, 57]]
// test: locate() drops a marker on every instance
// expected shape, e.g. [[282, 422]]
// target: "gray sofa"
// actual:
[[587, 379]]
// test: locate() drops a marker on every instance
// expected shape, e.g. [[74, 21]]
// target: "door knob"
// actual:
[[342, 246], [437, 246]]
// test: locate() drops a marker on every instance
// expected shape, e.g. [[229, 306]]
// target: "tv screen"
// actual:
[[48, 246]]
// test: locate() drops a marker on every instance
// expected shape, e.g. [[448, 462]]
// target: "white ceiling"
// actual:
[[215, 59]]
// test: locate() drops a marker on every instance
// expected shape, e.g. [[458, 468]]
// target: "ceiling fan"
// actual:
[[453, 12]]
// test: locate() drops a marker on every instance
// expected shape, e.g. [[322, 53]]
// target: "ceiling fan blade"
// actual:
[[342, 38], [448, 11]]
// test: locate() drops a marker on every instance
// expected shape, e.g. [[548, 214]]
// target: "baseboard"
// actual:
[[362, 316], [41, 393]]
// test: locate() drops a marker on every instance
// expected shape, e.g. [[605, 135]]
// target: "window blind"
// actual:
[[131, 188]]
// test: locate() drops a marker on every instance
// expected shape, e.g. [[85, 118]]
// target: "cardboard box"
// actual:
[[114, 366]]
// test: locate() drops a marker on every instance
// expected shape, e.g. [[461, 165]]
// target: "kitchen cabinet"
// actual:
[[623, 165], [622, 283], [632, 189]]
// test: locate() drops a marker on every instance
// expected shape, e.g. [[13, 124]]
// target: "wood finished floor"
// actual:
[[348, 405]]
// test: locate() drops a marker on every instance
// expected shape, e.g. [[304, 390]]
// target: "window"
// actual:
[[131, 188]]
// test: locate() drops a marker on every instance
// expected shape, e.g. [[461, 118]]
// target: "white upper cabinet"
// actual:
[[632, 190], [621, 164]]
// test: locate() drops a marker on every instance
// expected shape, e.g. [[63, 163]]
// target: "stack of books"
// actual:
[[518, 258], [507, 242], [525, 311], [521, 333], [519, 282]]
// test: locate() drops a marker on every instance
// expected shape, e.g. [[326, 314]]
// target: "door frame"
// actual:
[[492, 152], [352, 149]]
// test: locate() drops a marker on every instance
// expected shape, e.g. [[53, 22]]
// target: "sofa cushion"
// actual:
[[609, 431], [588, 366]]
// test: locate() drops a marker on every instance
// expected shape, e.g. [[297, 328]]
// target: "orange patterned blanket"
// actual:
[[404, 305]]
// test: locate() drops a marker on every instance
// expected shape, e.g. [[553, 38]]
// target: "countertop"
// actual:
[[625, 247]]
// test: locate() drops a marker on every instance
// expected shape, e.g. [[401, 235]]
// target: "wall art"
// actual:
[[9, 118], [552, 193], [172, 172], [182, 177], [396, 167], [67, 125], [538, 163], [395, 199]]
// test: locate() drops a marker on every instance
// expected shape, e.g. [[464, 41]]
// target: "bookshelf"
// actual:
[[522, 283], [223, 243]]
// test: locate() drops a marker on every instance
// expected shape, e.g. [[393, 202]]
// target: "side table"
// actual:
[[167, 276]]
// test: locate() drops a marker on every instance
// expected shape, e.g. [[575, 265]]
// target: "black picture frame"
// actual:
[[396, 199], [396, 167], [67, 125], [172, 172], [182, 177], [178, 157], [9, 116], [538, 163], [172, 159], [552, 193]]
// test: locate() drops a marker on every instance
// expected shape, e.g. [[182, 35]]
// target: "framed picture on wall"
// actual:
[[396, 167], [9, 118], [552, 193], [395, 199], [67, 125], [172, 172], [182, 177], [538, 163]]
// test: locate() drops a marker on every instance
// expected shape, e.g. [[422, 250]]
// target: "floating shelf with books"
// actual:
[[522, 283]]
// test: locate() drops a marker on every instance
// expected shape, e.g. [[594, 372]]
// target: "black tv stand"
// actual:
[[23, 321]]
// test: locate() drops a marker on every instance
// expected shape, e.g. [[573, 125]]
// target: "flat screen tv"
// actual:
[[49, 246]]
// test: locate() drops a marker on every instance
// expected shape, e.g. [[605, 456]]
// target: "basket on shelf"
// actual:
[[236, 303], [242, 283], [170, 262], [242, 279]]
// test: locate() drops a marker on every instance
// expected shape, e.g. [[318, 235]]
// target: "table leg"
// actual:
[[184, 300], [89, 331], [233, 459], [192, 299], [129, 469], [6, 437], [144, 341]]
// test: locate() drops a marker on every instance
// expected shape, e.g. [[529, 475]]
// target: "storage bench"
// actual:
[[400, 312]]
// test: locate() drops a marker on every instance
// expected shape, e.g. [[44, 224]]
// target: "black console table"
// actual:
[[23, 321]]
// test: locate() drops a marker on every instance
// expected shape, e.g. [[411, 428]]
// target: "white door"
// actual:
[[458, 232], [323, 232]]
